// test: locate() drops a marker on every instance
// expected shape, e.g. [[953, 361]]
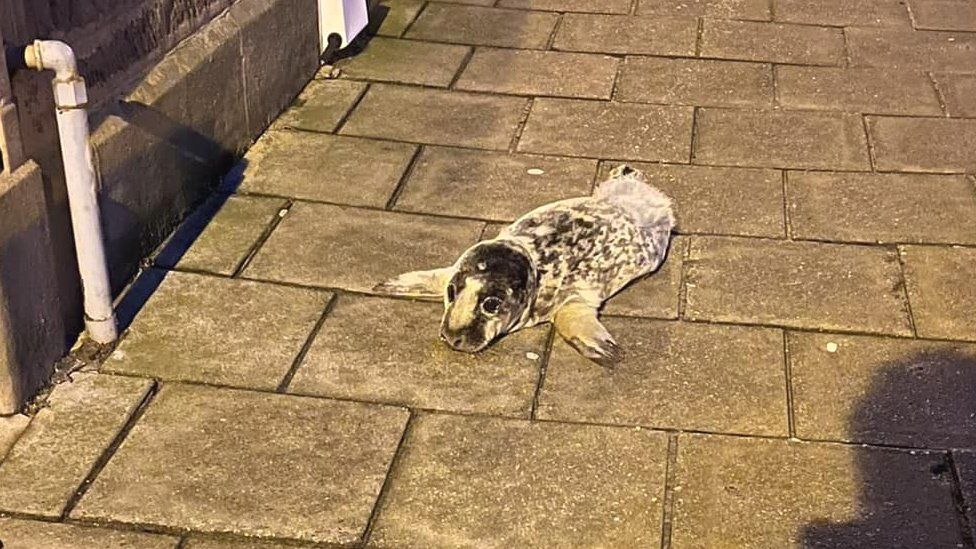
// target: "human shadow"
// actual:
[[910, 498]]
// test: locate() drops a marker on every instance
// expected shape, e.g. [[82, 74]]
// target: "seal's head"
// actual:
[[488, 296]]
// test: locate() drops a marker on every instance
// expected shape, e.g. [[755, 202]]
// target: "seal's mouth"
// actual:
[[464, 344]]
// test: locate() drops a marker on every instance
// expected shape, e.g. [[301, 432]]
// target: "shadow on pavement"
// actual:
[[201, 203], [910, 499]]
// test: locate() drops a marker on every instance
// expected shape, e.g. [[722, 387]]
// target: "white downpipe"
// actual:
[[71, 98], [345, 18]]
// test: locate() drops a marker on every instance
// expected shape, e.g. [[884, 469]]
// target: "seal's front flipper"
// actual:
[[579, 325], [417, 283]]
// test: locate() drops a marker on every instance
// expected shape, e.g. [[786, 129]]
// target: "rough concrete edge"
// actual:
[[28, 345], [11, 428]]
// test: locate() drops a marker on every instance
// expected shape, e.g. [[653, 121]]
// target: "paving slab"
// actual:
[[403, 361], [492, 185], [941, 290], [869, 208], [922, 50], [781, 139], [796, 284], [958, 91], [405, 61], [753, 493], [437, 117], [217, 330], [471, 2], [878, 91], [354, 249], [325, 167], [951, 15], [483, 26], [492, 230], [32, 534], [966, 465], [939, 145], [481, 482], [598, 129], [585, 6], [844, 13], [321, 106], [699, 82], [530, 72], [710, 200], [721, 9], [246, 543], [11, 427], [883, 390], [627, 34], [218, 236], [772, 42], [674, 375], [259, 464], [392, 17], [64, 440], [655, 295], [322, 167]]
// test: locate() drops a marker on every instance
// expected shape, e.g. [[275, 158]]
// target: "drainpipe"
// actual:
[[339, 23], [71, 98]]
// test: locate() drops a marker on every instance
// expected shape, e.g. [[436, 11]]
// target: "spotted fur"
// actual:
[[591, 248], [558, 263]]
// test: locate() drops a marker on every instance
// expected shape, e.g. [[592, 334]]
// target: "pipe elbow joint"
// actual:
[[52, 55], [69, 87]]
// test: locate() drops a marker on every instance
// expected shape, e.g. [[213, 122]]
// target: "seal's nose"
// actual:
[[451, 340]]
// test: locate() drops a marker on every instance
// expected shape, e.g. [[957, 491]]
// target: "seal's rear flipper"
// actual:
[[417, 283], [579, 325]]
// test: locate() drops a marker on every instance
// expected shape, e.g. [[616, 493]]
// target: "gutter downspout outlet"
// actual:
[[71, 99]]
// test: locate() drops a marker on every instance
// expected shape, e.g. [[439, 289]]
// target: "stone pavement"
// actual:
[[801, 372]]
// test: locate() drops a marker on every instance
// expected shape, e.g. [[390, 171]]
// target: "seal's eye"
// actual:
[[491, 305], [451, 293]]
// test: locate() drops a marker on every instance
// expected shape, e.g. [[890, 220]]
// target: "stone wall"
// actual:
[[179, 88], [115, 40], [31, 329]]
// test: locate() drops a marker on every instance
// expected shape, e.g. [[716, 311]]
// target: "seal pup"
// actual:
[[557, 263]]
